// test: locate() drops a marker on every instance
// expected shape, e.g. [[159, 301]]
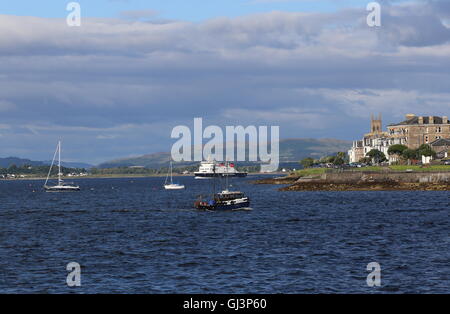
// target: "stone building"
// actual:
[[418, 130], [375, 139], [412, 132], [441, 147]]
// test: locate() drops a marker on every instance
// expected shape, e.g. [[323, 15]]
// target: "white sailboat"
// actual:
[[61, 186], [171, 185]]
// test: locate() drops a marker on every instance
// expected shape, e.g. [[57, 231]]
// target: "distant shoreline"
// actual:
[[124, 176]]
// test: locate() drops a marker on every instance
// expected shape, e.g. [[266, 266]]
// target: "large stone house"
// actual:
[[418, 130], [412, 132]]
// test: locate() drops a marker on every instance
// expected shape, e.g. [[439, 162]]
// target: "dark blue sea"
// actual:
[[131, 236]]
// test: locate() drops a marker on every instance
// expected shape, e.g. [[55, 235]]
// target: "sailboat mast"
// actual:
[[59, 162], [171, 175], [214, 179], [51, 166], [226, 178]]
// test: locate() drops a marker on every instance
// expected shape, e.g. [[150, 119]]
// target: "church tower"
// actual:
[[376, 124]]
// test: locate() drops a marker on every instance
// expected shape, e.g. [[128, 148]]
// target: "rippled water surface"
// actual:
[[131, 236]]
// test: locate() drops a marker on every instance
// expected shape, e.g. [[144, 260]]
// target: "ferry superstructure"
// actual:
[[211, 169]]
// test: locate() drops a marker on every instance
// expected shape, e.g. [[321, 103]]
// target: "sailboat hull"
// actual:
[[62, 188], [174, 187]]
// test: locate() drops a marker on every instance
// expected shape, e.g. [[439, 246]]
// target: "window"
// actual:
[[426, 139], [438, 129]]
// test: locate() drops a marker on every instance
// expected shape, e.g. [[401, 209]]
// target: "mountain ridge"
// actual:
[[291, 150], [6, 162]]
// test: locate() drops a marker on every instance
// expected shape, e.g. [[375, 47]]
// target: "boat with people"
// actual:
[[61, 186], [211, 168], [225, 200]]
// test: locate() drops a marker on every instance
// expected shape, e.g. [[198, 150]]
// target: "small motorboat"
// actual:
[[225, 200]]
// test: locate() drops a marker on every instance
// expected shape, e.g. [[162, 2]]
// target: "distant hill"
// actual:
[[291, 150], [72, 164], [156, 160], [296, 149], [9, 161]]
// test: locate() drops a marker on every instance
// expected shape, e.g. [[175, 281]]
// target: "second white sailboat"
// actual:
[[171, 185], [61, 186]]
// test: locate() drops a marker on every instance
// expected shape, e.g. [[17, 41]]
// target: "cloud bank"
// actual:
[[116, 87]]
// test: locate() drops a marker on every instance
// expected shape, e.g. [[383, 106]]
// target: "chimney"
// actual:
[[431, 120], [444, 119], [410, 116], [420, 120]]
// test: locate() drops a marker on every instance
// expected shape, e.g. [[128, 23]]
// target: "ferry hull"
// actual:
[[200, 175]]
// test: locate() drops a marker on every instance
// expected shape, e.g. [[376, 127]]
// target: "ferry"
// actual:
[[211, 169]]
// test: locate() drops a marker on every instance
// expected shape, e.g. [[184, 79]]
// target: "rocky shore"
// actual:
[[279, 180], [367, 186], [363, 181]]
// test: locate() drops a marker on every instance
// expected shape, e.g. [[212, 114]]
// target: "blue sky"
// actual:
[[191, 10], [118, 85]]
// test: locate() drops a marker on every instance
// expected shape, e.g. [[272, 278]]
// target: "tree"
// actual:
[[338, 161], [376, 155], [365, 160], [425, 150], [396, 149], [341, 155], [307, 162], [410, 154]]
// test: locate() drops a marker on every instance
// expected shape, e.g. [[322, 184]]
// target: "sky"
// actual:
[[117, 85], [188, 10]]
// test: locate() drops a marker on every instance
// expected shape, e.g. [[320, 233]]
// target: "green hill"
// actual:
[[291, 150]]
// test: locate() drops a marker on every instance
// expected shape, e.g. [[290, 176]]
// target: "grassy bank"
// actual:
[[405, 168]]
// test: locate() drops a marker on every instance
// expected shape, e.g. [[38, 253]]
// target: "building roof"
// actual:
[[415, 120], [441, 142]]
